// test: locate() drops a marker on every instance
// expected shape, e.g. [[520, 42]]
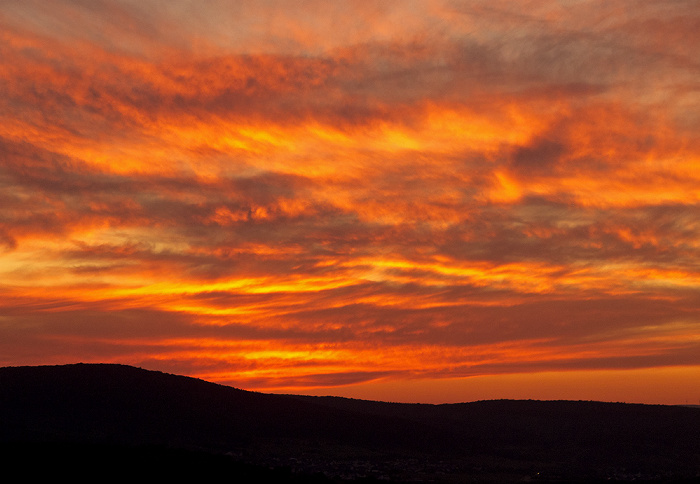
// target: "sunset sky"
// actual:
[[430, 201]]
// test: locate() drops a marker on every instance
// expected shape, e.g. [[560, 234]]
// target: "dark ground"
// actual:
[[84, 421]]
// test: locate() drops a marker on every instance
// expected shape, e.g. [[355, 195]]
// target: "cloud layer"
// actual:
[[284, 201]]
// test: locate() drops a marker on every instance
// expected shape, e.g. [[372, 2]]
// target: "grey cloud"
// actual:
[[539, 158]]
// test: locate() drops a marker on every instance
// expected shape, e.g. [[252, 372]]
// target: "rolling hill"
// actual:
[[86, 418]]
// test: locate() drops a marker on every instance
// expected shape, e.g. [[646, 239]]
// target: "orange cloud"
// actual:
[[439, 191]]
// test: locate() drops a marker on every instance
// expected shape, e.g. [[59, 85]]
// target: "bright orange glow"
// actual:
[[658, 386], [433, 203]]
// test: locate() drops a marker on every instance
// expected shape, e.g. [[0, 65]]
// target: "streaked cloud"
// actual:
[[296, 197]]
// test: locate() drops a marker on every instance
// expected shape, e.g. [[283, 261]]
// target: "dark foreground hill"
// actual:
[[115, 419]]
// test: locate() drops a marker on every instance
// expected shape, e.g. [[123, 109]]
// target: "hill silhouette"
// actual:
[[125, 418]]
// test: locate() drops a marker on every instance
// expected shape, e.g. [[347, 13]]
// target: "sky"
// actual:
[[420, 201]]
